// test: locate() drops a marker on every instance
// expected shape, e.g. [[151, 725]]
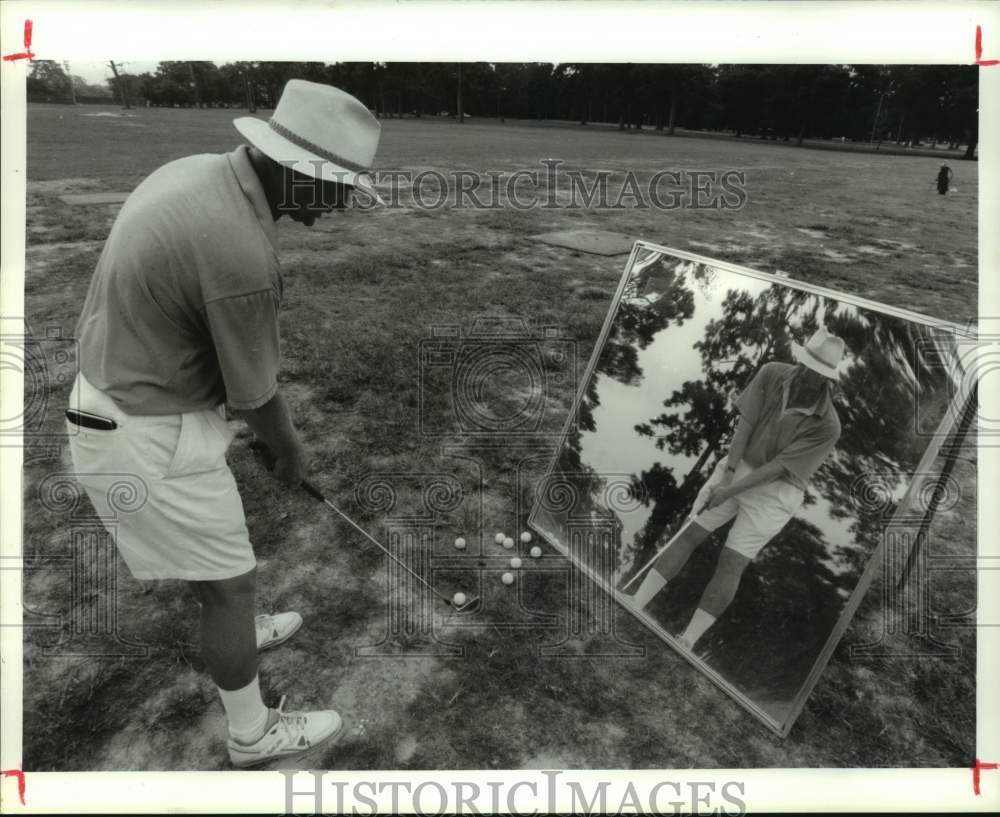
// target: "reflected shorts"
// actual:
[[761, 512], [163, 488]]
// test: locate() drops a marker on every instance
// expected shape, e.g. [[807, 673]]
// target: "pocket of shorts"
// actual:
[[792, 497], [157, 439], [201, 444], [82, 432]]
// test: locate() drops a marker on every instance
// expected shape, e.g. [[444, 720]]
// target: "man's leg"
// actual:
[[229, 647], [669, 563], [718, 595]]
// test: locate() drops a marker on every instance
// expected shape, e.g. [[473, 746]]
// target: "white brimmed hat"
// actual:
[[822, 353], [320, 131]]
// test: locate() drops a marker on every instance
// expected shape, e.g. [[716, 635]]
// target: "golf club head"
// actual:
[[469, 606]]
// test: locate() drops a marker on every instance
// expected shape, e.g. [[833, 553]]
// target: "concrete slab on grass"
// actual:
[[598, 242], [94, 198]]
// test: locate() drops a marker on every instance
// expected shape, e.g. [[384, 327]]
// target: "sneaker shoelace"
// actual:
[[265, 626], [293, 722]]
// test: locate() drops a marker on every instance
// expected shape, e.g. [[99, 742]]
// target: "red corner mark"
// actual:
[[979, 49], [20, 775], [27, 54], [975, 773]]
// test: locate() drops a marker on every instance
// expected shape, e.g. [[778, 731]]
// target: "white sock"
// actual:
[[700, 622], [652, 583], [245, 712]]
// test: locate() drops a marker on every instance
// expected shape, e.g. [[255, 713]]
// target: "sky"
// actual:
[[95, 73]]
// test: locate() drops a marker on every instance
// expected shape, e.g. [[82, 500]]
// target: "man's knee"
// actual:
[[731, 563], [237, 590], [685, 542]]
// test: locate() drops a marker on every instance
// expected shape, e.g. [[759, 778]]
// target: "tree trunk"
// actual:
[[802, 134], [248, 91], [72, 90], [194, 85], [970, 151], [122, 85], [673, 109], [461, 111]]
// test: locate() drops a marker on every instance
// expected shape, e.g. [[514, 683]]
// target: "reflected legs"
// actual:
[[669, 563], [717, 596]]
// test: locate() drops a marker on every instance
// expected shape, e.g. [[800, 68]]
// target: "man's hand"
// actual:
[[716, 496], [272, 423]]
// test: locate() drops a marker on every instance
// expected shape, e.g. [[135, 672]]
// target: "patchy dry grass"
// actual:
[[362, 291]]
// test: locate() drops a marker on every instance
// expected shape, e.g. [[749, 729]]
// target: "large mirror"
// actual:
[[736, 449]]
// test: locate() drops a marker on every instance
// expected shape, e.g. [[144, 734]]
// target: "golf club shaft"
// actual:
[[649, 564], [314, 492]]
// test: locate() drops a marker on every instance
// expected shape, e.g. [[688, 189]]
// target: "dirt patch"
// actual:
[[813, 232], [868, 249], [837, 257]]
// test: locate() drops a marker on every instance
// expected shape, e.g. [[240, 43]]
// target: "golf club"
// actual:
[[315, 493], [650, 563]]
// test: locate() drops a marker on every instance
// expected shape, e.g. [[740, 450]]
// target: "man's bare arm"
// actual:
[[738, 444], [272, 423]]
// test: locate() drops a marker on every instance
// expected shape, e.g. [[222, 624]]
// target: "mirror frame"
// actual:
[[952, 425]]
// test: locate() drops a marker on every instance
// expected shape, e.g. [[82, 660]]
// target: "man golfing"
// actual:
[[181, 319], [788, 426]]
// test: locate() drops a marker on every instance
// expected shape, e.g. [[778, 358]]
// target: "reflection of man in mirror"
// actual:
[[787, 428]]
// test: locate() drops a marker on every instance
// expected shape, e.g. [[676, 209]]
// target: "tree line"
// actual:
[[905, 104]]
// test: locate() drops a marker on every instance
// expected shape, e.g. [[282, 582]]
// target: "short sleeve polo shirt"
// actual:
[[799, 439], [182, 310]]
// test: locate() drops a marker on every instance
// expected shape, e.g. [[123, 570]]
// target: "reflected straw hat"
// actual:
[[320, 131], [822, 353]]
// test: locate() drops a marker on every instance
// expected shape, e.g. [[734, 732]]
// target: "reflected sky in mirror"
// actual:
[[657, 415]]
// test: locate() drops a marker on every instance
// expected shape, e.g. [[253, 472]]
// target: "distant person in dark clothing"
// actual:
[[944, 179]]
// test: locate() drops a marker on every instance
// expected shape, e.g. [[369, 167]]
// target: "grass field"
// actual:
[[362, 290]]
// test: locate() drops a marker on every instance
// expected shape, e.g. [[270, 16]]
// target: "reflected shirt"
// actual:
[[798, 438], [182, 311]]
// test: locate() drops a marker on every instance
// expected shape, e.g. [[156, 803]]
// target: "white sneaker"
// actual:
[[294, 734], [276, 629]]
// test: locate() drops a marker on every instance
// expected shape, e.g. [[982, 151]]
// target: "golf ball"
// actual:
[[458, 599], [536, 552], [507, 578], [525, 537], [515, 562], [460, 543], [508, 543], [499, 538]]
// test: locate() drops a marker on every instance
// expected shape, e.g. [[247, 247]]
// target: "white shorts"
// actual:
[[163, 488], [760, 511]]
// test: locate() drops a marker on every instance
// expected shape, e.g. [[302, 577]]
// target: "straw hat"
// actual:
[[822, 353], [320, 131]]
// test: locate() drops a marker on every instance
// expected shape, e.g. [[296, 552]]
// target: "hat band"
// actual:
[[312, 147], [818, 359]]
